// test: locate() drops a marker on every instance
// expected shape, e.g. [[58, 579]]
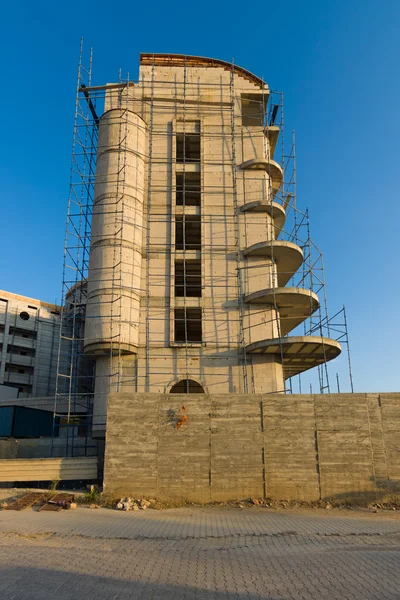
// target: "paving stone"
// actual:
[[200, 553]]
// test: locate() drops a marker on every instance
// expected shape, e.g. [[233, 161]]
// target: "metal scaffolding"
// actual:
[[74, 384], [75, 373]]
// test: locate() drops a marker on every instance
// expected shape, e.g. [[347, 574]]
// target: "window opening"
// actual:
[[253, 110], [22, 332], [187, 147], [188, 232], [13, 368], [187, 386], [20, 350], [188, 189], [188, 327], [188, 278]]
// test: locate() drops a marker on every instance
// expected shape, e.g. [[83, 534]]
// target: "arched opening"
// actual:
[[187, 386]]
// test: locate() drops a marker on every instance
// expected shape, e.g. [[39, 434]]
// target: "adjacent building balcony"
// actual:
[[18, 359], [25, 342], [295, 305], [298, 353], [18, 378], [287, 256]]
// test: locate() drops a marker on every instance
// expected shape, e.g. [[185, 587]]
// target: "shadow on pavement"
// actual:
[[42, 584]]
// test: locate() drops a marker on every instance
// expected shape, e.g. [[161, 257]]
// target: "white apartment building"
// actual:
[[29, 338]]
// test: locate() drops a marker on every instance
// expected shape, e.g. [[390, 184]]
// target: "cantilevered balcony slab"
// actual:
[[295, 305], [273, 209], [273, 169], [272, 133], [288, 257], [299, 353]]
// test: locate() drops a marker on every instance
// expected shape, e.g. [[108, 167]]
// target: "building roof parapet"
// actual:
[[182, 60]]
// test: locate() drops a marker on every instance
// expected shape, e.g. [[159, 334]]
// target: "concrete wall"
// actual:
[[306, 447]]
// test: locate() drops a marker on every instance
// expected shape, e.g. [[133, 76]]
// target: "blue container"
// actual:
[[6, 420], [23, 422]]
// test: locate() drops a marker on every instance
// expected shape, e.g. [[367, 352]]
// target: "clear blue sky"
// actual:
[[338, 65]]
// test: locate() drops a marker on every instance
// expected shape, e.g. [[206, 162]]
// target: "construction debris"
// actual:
[[133, 504], [26, 501], [58, 502]]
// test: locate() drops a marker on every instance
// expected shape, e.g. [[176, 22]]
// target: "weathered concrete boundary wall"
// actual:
[[227, 446]]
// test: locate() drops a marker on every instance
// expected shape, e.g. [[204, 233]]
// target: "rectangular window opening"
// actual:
[[187, 147], [13, 368], [188, 325], [188, 189], [188, 232], [11, 348], [23, 333], [188, 278], [253, 110]]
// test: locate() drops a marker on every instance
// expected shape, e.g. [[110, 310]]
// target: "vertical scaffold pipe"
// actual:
[[113, 289]]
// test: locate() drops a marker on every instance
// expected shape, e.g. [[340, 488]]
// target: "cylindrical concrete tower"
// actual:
[[113, 297]]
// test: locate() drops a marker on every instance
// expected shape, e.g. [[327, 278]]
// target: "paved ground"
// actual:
[[210, 553]]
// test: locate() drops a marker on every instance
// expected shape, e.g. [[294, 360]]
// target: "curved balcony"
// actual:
[[273, 209], [273, 169], [287, 256], [295, 305], [299, 353]]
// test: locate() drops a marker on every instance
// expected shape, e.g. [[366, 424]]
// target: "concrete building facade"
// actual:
[[29, 339], [190, 283]]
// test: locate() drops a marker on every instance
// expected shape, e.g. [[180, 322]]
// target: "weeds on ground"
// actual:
[[91, 497]]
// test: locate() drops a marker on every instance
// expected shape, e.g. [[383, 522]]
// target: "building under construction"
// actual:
[[194, 335], [188, 266]]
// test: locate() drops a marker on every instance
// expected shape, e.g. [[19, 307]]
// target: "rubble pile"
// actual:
[[133, 504]]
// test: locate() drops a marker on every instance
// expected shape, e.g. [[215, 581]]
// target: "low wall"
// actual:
[[209, 447]]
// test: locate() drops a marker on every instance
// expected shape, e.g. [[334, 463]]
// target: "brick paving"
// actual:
[[199, 553]]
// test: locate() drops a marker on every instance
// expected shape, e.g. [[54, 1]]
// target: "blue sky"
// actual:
[[337, 64]]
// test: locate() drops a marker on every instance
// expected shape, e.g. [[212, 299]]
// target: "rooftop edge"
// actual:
[[180, 60]]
